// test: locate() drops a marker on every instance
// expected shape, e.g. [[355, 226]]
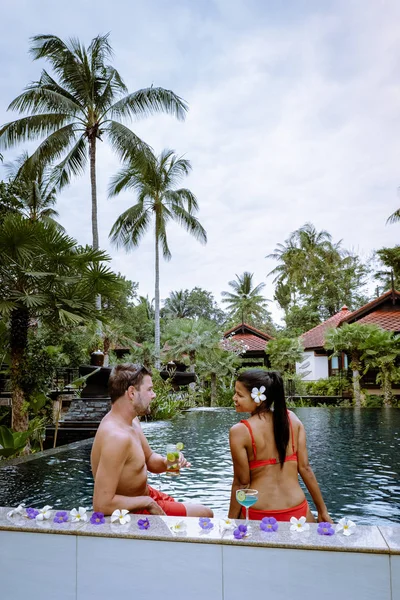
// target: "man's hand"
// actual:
[[183, 462], [154, 509]]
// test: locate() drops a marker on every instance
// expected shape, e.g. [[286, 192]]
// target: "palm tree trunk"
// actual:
[[92, 155], [95, 229], [157, 303], [213, 389], [387, 388], [19, 341], [356, 388]]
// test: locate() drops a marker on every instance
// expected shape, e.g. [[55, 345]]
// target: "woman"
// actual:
[[269, 450]]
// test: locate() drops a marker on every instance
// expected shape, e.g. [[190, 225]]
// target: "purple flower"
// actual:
[[325, 529], [143, 523], [61, 517], [97, 518], [240, 532], [269, 524], [31, 513], [205, 523]]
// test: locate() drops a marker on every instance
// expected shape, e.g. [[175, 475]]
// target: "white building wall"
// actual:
[[312, 367]]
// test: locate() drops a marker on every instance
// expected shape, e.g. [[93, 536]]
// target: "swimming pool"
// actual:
[[354, 453]]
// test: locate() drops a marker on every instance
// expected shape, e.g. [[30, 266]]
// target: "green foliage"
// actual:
[[283, 353], [165, 405], [316, 273], [12, 442], [332, 386], [184, 338], [194, 304], [390, 263]]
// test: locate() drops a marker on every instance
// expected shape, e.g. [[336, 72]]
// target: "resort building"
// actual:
[[253, 341], [318, 363]]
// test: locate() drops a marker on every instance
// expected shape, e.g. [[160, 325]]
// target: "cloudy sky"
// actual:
[[294, 117]]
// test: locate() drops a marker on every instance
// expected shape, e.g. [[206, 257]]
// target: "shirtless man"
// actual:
[[121, 455]]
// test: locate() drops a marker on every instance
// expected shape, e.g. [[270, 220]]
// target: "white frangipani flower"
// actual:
[[226, 525], [178, 527], [17, 511], [78, 515], [122, 516], [346, 526], [299, 525], [44, 513], [258, 394]]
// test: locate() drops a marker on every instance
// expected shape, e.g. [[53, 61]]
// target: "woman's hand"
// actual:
[[323, 517]]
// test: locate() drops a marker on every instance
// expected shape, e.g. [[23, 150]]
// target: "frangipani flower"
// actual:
[[44, 513], [258, 394], [178, 527], [122, 516], [299, 525], [346, 526], [17, 511], [78, 515], [226, 525]]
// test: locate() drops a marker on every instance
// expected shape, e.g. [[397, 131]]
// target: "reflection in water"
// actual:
[[354, 454]]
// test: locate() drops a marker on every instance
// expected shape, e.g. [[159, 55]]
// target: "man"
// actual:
[[121, 455]]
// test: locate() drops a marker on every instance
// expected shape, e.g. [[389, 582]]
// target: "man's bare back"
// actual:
[[121, 455]]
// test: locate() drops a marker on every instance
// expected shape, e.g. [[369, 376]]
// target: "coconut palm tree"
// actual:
[[381, 353], [187, 337], [44, 276], [176, 306], [154, 179], [246, 302], [84, 102], [34, 190]]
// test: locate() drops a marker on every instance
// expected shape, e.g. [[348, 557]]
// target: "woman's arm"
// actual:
[[241, 471], [307, 475]]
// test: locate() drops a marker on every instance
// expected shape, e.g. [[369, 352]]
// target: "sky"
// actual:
[[294, 117]]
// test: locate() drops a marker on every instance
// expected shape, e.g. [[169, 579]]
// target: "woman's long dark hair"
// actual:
[[275, 395]]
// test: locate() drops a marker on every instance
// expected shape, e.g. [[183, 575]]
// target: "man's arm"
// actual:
[[241, 471], [112, 459], [307, 475], [156, 463]]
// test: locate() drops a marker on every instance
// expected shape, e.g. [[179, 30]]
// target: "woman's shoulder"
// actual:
[[239, 428], [294, 418]]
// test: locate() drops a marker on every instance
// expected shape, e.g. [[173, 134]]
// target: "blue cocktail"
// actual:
[[247, 498]]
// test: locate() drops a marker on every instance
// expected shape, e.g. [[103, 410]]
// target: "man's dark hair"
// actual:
[[123, 376]]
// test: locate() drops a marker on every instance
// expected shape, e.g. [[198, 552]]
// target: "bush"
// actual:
[[332, 386]]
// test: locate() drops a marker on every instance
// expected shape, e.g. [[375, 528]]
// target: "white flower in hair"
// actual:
[[258, 394]]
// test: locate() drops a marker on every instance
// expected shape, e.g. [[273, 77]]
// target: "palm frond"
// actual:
[[54, 146], [189, 222], [149, 101], [394, 218], [125, 143], [29, 128], [38, 99], [130, 227], [72, 165]]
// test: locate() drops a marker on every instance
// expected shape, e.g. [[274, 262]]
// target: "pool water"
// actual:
[[354, 453]]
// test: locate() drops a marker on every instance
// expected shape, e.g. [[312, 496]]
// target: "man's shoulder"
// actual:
[[109, 433]]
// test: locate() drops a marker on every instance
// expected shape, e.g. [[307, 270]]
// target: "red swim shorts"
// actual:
[[171, 507], [280, 515]]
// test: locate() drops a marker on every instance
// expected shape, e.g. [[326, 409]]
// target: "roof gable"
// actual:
[[315, 337], [244, 329]]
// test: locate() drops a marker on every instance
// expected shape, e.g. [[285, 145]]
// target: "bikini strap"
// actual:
[[253, 443], [291, 431]]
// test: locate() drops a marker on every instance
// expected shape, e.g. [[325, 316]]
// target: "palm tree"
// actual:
[[284, 353], [176, 306], [246, 302], [382, 352], [352, 339], [154, 178], [187, 337], [84, 102], [45, 276], [34, 190]]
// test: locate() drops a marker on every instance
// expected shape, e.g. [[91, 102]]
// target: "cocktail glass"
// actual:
[[172, 459], [247, 498]]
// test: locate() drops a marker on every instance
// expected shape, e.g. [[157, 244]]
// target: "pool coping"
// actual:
[[366, 539], [10, 462]]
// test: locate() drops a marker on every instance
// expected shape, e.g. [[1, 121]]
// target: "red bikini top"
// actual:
[[253, 464]]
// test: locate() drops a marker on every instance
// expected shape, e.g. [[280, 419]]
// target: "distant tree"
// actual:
[[194, 304], [381, 351], [316, 273], [176, 306], [245, 303], [154, 179], [185, 338], [389, 265]]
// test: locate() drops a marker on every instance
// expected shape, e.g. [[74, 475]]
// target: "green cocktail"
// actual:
[[173, 452]]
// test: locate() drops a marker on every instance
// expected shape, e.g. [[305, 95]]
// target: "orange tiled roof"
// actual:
[[252, 341], [387, 319], [315, 337], [237, 328]]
